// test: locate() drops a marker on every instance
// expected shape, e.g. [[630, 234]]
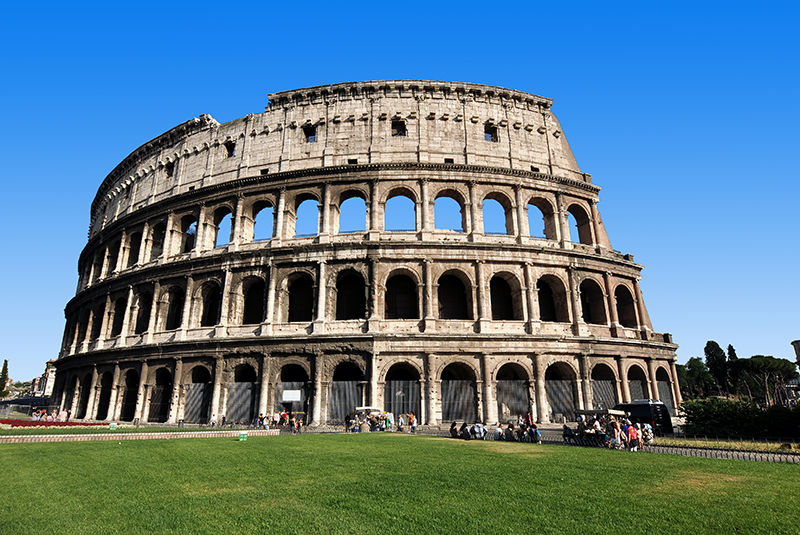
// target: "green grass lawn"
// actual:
[[383, 483]]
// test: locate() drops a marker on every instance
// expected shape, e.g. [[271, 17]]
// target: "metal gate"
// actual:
[[128, 410], [637, 390], [289, 402], [512, 399], [401, 397], [103, 402], [561, 397], [459, 401], [241, 397], [345, 397], [159, 403], [198, 399], [665, 393], [604, 395]]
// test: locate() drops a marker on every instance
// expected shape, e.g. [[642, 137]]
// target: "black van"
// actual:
[[651, 411]]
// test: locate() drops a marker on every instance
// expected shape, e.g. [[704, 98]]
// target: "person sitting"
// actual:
[[464, 431], [498, 432], [568, 435], [454, 430]]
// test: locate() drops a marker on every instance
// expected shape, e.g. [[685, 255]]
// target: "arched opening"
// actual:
[[401, 298], [400, 214], [253, 302], [97, 321], [502, 300], [198, 396], [120, 305], [453, 301], [401, 391], [496, 217], [447, 214], [212, 299], [552, 299], [223, 219], [175, 299], [580, 226], [83, 326], [157, 236], [541, 219], [188, 233], [626, 311], [134, 247], [301, 298], [637, 383], [350, 296], [129, 395], [459, 394], [113, 257], [160, 396], [353, 215], [559, 383], [593, 308], [604, 388], [513, 399], [291, 392], [347, 391], [144, 302], [665, 390], [307, 221], [85, 392], [263, 221], [242, 394], [106, 382]]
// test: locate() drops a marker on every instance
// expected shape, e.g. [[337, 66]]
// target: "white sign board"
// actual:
[[292, 395]]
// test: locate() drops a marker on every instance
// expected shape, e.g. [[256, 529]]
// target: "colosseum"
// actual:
[[301, 259]]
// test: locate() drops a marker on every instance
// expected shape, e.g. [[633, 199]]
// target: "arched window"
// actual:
[[580, 226], [353, 215], [502, 300], [401, 393], [307, 222], [97, 321], [222, 223], [400, 214], [301, 299], [459, 394], [212, 298], [175, 299], [626, 309], [160, 396], [593, 309], [244, 373], [552, 299], [560, 389], [453, 302], [350, 297], [448, 214], [401, 298], [188, 233], [144, 303], [513, 399], [119, 316], [496, 217], [541, 219], [253, 302], [604, 389], [134, 246], [263, 221], [637, 383], [157, 235], [113, 257]]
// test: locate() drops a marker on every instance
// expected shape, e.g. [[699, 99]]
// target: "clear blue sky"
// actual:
[[686, 113]]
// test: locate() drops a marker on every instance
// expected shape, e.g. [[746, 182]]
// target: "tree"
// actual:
[[717, 364], [765, 378], [733, 374], [4, 379], [694, 378]]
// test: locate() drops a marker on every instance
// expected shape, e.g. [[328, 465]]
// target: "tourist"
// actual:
[[400, 423], [498, 432], [633, 437], [213, 420], [412, 420]]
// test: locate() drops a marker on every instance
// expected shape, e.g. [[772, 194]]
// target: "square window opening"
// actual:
[[170, 169], [230, 148], [449, 160], [264, 172], [534, 169], [352, 161], [398, 129], [310, 131], [490, 133]]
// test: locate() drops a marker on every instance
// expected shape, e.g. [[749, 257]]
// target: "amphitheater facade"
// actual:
[[299, 259]]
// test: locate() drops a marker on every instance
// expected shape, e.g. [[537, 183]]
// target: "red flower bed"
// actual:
[[29, 423]]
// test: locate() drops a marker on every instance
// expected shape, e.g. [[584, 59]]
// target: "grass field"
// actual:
[[383, 483]]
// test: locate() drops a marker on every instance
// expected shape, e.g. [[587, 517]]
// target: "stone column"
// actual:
[[325, 216], [124, 250], [541, 393], [484, 308], [237, 221], [431, 383], [115, 403], [423, 216], [225, 305], [523, 231], [264, 392], [474, 212], [269, 319], [532, 295], [489, 387], [146, 246], [151, 324], [612, 305], [177, 386], [104, 324], [319, 366], [575, 301], [375, 225], [626, 391], [168, 236], [140, 396], [588, 397], [676, 387], [76, 396], [280, 219], [373, 380], [215, 393], [651, 379], [563, 221], [641, 311], [188, 301], [203, 230], [91, 403], [429, 321], [123, 335], [320, 318], [596, 223]]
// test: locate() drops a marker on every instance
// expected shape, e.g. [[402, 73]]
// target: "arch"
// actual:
[[223, 226], [301, 298], [134, 247], [212, 301], [242, 394], [626, 310], [253, 289], [581, 225], [104, 400], [664, 385], [306, 220], [144, 302], [83, 325], [454, 301], [350, 296], [560, 388], [604, 387], [160, 396], [198, 395], [497, 218], [244, 373], [506, 304], [188, 233], [400, 214], [401, 391], [113, 257], [97, 320], [157, 236], [552, 299], [263, 221], [352, 213], [540, 207], [83, 400], [459, 393], [401, 300], [129, 395], [593, 309], [347, 391], [513, 396], [120, 305], [292, 389], [637, 383], [174, 310], [448, 212]]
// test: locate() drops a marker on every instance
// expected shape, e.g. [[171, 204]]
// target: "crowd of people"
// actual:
[[609, 432], [52, 416], [355, 422]]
